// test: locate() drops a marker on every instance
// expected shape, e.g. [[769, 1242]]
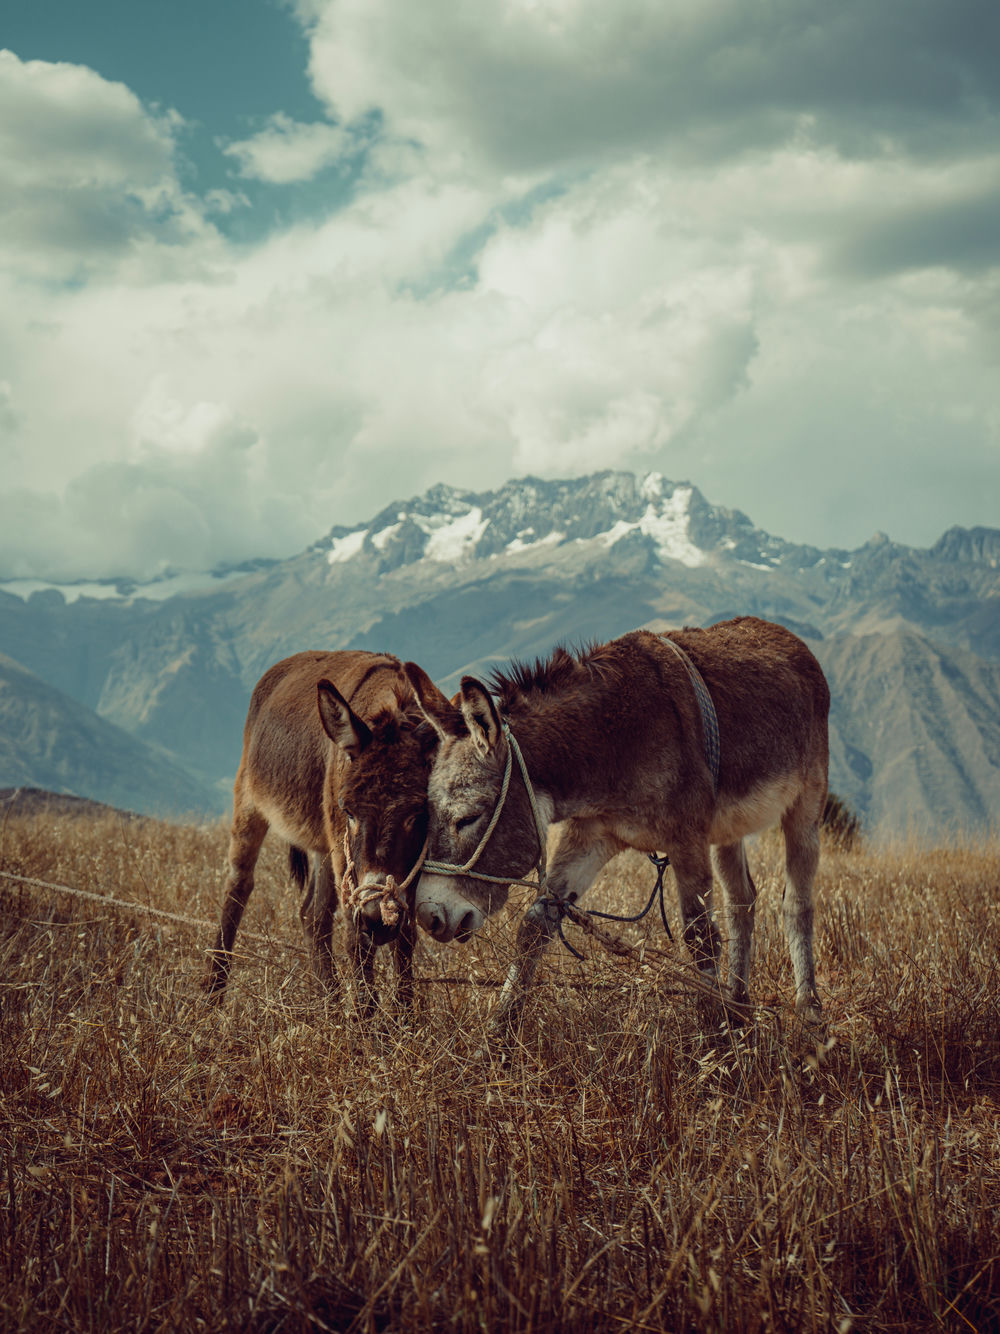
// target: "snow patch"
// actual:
[[23, 588], [615, 534], [667, 526], [173, 585], [452, 539], [518, 544], [343, 548], [651, 486], [385, 535]]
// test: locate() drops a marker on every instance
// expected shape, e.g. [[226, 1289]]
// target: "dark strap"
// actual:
[[709, 718]]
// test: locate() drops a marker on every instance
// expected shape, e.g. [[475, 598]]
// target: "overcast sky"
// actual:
[[265, 267]]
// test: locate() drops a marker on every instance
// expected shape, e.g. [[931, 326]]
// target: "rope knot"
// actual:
[[390, 897], [385, 895]]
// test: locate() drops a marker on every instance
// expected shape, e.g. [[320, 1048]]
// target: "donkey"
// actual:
[[618, 745], [336, 756]]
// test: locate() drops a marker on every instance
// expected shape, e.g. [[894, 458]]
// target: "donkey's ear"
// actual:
[[442, 716], [480, 714], [341, 724]]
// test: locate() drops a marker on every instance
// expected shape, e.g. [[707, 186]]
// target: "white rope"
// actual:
[[452, 868], [161, 913], [390, 897]]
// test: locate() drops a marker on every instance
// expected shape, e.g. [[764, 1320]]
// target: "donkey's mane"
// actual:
[[561, 670], [391, 725]]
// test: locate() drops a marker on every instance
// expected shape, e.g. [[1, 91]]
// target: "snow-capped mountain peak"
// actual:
[[530, 518]]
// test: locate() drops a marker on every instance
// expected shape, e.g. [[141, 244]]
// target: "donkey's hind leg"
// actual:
[[801, 828], [248, 831], [741, 897]]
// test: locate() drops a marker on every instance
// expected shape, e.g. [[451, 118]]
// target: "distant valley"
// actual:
[[459, 581]]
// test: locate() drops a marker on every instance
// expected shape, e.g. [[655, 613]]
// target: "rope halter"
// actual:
[[390, 897], [467, 868]]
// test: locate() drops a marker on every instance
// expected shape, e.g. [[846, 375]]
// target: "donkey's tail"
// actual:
[[298, 865]]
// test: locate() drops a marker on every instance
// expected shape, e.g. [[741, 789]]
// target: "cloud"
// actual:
[[545, 83], [191, 497], [737, 276], [286, 150], [960, 231], [89, 175]]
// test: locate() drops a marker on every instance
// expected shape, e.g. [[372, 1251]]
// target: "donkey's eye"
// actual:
[[409, 824], [466, 820], [352, 821]]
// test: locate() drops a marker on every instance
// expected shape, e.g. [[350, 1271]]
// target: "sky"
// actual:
[[267, 266]]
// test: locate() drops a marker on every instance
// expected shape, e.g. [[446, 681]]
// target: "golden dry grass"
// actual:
[[276, 1165]]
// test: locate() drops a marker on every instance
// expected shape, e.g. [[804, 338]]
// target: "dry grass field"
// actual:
[[275, 1165]]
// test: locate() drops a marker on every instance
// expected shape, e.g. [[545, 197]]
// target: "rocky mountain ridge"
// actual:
[[460, 580]]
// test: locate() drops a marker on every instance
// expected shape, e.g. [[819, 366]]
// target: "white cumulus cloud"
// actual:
[[581, 236], [286, 150], [89, 178]]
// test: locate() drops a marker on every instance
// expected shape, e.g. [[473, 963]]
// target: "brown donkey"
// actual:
[[336, 755], [618, 749]]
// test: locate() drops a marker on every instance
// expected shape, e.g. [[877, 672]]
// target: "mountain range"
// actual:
[[460, 580]]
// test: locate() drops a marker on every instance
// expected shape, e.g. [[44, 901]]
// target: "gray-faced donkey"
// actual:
[[617, 746]]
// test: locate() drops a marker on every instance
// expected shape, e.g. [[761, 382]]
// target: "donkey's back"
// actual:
[[772, 705]]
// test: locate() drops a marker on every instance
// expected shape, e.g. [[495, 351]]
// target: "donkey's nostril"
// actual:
[[432, 918], [468, 923]]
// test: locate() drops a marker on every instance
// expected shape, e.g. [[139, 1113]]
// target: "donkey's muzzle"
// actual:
[[372, 926], [447, 916]]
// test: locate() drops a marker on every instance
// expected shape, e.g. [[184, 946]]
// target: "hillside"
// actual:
[[50, 741], [915, 732], [461, 580]]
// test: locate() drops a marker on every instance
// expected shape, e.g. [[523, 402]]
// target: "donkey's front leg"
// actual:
[[583, 848], [693, 869], [318, 920], [403, 947], [536, 930], [361, 947]]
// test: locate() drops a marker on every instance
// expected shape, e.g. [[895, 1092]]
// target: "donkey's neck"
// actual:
[[561, 741]]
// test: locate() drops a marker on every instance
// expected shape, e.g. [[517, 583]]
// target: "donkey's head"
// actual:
[[378, 799], [464, 792]]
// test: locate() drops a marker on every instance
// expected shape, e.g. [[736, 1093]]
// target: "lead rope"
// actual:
[[391, 898]]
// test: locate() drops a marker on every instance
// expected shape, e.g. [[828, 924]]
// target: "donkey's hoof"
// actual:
[[738, 1011], [505, 1025], [213, 989], [810, 1012], [366, 1003], [712, 1012]]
